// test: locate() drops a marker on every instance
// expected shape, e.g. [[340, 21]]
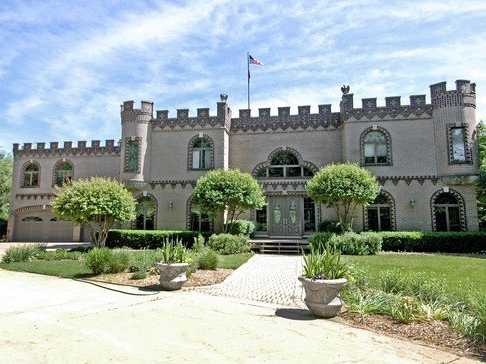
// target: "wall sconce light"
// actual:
[[144, 193], [44, 207], [445, 189], [171, 204], [412, 203]]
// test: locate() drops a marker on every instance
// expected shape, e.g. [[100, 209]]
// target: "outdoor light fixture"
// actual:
[[144, 193], [171, 204], [445, 189], [412, 203]]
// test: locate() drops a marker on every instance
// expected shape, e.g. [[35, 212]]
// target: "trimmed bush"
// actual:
[[22, 253], [208, 259], [99, 260], [229, 244], [330, 226], [434, 242], [148, 239], [242, 227], [348, 243]]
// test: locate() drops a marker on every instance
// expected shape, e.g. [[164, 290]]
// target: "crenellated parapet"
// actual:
[[464, 95], [67, 149], [285, 120]]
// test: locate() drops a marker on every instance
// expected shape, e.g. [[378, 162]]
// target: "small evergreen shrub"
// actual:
[[208, 259], [22, 253], [139, 275], [242, 227], [148, 239], [319, 241], [229, 244], [356, 244], [329, 226], [99, 260]]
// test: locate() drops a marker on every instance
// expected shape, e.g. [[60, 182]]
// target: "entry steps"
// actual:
[[279, 246]]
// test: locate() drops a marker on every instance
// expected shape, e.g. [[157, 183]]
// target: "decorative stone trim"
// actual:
[[267, 163], [80, 150], [190, 148], [54, 170], [138, 142], [467, 145], [408, 179], [22, 176], [391, 201], [174, 182], [418, 111], [462, 208], [388, 141], [202, 121], [34, 196], [21, 210]]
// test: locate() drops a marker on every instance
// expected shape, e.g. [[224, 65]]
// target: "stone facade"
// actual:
[[423, 154]]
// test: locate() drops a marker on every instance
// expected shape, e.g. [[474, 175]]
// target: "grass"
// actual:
[[233, 261], [459, 272]]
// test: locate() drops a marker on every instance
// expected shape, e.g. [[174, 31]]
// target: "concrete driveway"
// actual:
[[52, 320]]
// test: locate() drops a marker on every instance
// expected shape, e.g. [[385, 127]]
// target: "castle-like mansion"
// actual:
[[423, 154]]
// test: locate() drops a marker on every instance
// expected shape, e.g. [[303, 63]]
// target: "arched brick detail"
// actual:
[[139, 195], [267, 163], [462, 207], [388, 141], [285, 149], [22, 177], [190, 147], [56, 166], [391, 201]]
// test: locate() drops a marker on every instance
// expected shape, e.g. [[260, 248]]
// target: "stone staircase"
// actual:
[[279, 246]]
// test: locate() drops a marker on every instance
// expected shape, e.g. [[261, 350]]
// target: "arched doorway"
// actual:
[[197, 219], [380, 215], [146, 212], [448, 211]]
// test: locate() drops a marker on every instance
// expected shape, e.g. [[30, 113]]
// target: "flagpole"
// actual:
[[248, 76]]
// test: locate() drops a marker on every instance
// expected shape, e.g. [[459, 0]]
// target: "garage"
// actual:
[[37, 225]]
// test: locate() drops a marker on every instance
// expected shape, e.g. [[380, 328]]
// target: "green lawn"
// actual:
[[459, 272], [233, 261]]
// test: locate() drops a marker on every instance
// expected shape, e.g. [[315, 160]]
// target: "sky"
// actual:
[[66, 66]]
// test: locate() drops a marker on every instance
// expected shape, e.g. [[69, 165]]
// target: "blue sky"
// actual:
[[66, 66]]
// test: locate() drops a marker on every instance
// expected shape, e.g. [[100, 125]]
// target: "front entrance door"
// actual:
[[285, 215]]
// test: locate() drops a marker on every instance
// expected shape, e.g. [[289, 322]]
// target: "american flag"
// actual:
[[254, 61]]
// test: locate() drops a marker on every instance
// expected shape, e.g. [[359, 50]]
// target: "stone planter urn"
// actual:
[[172, 276], [322, 296]]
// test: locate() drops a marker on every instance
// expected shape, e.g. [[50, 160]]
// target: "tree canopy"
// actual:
[[344, 187], [231, 191], [98, 202], [5, 184]]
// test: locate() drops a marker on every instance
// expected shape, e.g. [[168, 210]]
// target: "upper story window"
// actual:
[[457, 144], [132, 155], [376, 147], [63, 173], [284, 163], [31, 175], [201, 153]]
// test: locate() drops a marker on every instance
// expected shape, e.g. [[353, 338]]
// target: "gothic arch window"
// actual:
[[146, 213], [376, 147], [31, 175], [200, 153], [284, 163], [63, 172], [380, 215], [197, 219], [448, 211]]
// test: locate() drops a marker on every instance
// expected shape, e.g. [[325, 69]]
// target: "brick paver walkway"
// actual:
[[265, 278]]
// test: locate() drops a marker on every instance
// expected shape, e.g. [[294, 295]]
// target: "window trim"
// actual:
[[467, 147], [191, 149], [55, 169], [388, 145], [267, 165], [460, 203], [23, 180]]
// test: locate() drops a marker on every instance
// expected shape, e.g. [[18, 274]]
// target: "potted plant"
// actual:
[[173, 265], [323, 278]]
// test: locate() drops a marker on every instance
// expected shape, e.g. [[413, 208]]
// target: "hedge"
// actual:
[[349, 243], [434, 242], [147, 239]]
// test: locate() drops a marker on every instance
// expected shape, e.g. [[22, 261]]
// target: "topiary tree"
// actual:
[[344, 187], [231, 191], [98, 202]]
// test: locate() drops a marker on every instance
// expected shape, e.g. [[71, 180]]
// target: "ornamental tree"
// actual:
[[98, 202], [344, 187], [231, 191]]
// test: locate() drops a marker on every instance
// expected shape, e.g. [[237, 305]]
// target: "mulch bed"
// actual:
[[198, 278], [433, 332]]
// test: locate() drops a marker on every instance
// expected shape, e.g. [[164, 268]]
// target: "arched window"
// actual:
[[376, 148], [284, 163], [146, 212], [379, 215], [31, 175], [201, 149], [32, 219], [198, 220], [448, 211], [63, 173]]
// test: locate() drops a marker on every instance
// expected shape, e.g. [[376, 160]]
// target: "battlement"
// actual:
[[370, 104], [67, 148], [463, 95]]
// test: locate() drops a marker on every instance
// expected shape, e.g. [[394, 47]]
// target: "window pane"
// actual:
[[369, 160], [440, 219], [308, 172], [458, 147], [262, 172], [309, 215], [454, 219], [381, 159], [381, 149], [385, 220], [284, 158], [294, 172], [375, 137], [276, 172], [372, 218], [206, 154], [277, 215], [369, 150], [261, 219], [195, 159]]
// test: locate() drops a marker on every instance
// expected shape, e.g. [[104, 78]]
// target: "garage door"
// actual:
[[42, 227]]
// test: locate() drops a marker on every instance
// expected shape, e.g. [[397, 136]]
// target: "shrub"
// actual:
[[330, 226], [319, 241], [173, 251], [119, 262], [59, 254], [433, 242], [406, 309], [148, 239], [208, 259], [22, 253], [198, 245], [242, 227], [324, 265], [229, 244], [356, 244], [143, 260], [139, 275], [99, 260]]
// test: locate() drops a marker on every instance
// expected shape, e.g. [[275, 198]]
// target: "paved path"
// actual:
[[52, 320], [264, 278]]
